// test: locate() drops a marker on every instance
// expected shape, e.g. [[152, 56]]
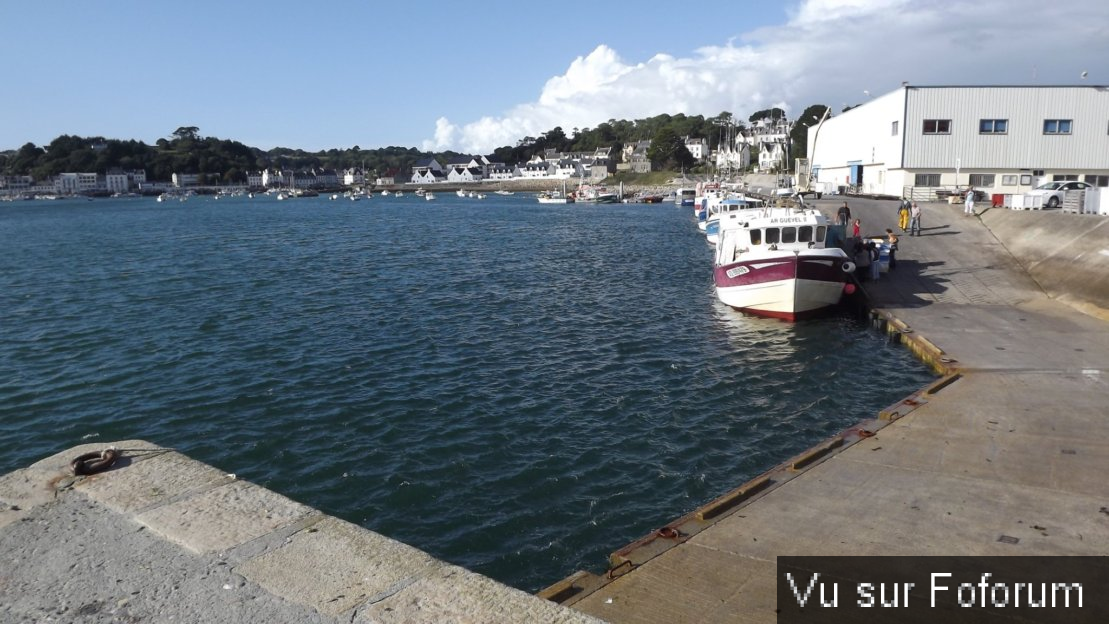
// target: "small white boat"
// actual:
[[428, 195], [399, 194], [460, 193], [385, 193], [503, 192]]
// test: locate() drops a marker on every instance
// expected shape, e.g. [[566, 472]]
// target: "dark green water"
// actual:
[[516, 388]]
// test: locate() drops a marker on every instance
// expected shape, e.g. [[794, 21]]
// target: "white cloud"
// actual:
[[828, 52]]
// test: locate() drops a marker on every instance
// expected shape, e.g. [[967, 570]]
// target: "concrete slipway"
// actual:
[[1005, 455]]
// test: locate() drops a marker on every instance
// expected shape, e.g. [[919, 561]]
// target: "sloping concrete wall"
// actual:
[[1067, 254]]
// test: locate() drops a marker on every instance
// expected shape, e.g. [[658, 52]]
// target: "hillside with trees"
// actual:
[[227, 161]]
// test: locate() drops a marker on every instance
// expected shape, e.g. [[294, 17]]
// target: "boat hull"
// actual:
[[790, 286]]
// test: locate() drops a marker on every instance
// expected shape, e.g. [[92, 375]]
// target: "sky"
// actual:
[[471, 77]]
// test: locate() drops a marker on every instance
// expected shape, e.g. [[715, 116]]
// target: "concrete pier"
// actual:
[[163, 538], [1003, 456]]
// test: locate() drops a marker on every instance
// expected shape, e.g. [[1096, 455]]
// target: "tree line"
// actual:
[[218, 160]]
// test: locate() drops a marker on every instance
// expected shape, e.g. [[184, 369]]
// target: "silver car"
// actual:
[[1053, 192]]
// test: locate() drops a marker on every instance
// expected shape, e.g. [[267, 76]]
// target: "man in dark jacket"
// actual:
[[843, 215]]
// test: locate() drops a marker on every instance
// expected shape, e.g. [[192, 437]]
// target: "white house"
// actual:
[[116, 182], [464, 174], [75, 182], [276, 178], [698, 147], [428, 176], [353, 177], [254, 179], [1000, 139], [534, 169], [501, 172], [733, 157]]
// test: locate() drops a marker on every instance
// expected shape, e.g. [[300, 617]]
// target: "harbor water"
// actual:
[[513, 387]]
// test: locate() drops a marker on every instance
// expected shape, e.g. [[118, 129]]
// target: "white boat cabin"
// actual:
[[769, 230]]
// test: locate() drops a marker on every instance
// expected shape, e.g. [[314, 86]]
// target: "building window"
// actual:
[[937, 126], [1097, 180], [993, 126], [927, 179], [893, 131], [982, 179], [1067, 177], [1008, 180], [1057, 126]]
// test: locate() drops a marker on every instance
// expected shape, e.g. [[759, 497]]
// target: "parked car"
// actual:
[[1052, 192]]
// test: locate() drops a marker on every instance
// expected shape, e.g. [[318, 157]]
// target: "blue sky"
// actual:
[[471, 77]]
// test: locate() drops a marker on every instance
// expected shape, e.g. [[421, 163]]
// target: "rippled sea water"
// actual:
[[513, 387]]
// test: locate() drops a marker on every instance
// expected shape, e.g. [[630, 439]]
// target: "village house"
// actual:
[[698, 147], [464, 174]]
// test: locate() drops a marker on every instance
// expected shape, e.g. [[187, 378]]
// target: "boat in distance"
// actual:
[[773, 262]]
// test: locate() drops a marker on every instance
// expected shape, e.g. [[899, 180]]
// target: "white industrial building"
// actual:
[[917, 141]]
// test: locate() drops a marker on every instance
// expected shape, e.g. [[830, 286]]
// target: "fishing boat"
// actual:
[[773, 262], [717, 211], [591, 194], [428, 195], [555, 196]]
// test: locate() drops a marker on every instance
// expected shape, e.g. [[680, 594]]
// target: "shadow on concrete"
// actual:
[[909, 285]]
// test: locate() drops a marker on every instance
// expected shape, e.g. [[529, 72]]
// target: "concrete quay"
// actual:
[[160, 537], [1004, 455]]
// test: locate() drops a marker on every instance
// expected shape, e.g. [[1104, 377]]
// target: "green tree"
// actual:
[[669, 151], [187, 133], [770, 113], [799, 134]]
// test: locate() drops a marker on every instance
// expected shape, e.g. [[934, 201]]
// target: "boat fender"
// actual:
[[849, 288], [92, 463], [848, 267]]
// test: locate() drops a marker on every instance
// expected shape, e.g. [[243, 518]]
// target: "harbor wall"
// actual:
[[1067, 254]]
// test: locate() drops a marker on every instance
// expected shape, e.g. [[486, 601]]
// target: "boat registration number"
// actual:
[[737, 271]]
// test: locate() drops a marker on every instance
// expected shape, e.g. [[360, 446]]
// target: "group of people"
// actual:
[[866, 254]]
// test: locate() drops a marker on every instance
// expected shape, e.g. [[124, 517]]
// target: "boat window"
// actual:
[[772, 237], [821, 232], [789, 235], [756, 237], [804, 234]]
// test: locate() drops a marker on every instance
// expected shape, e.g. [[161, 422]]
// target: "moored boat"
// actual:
[[718, 210], [773, 262]]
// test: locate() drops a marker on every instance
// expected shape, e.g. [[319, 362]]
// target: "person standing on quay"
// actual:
[[855, 229], [914, 220], [969, 206], [843, 215], [903, 216], [891, 238]]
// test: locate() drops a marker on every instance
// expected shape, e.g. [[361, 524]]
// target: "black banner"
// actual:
[[950, 590]]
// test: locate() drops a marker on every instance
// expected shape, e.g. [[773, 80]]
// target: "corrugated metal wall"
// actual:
[[1024, 146]]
